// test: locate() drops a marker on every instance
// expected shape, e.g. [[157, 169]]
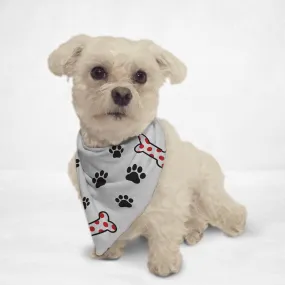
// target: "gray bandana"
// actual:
[[117, 183]]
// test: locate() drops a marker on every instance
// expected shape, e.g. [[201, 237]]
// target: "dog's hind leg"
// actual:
[[222, 211], [218, 207]]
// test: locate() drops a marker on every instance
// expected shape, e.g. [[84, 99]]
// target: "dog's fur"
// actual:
[[190, 194]]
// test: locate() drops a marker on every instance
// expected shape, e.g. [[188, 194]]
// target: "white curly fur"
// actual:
[[190, 194]]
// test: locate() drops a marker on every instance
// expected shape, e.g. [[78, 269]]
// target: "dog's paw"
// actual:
[[113, 253], [166, 265], [195, 230], [193, 237], [237, 223]]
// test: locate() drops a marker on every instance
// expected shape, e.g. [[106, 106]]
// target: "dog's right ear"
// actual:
[[62, 60], [171, 67]]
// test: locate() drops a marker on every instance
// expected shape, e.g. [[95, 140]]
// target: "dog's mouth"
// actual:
[[117, 114]]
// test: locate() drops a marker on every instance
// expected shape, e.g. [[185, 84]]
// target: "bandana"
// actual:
[[118, 182]]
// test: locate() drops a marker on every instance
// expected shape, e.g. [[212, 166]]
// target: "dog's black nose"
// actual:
[[121, 96]]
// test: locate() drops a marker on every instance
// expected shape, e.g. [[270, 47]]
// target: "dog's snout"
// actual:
[[121, 96]]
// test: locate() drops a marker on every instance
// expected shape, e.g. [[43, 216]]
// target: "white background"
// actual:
[[232, 104]]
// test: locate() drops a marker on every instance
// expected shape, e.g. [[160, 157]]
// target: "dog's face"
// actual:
[[115, 83]]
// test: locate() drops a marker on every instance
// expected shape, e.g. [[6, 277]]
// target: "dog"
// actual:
[[190, 193]]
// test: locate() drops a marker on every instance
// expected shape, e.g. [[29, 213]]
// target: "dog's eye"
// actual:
[[98, 73], [140, 77]]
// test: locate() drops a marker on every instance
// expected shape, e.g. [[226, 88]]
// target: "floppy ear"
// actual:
[[172, 68], [62, 60]]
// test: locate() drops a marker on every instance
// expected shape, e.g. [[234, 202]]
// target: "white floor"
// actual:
[[44, 238]]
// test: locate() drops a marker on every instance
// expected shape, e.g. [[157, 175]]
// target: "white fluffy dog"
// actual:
[[190, 194]]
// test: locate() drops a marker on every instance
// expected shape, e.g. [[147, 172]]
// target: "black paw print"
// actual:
[[116, 150], [135, 174], [85, 202], [124, 201], [100, 178], [77, 162]]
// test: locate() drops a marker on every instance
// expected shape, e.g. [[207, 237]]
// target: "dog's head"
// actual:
[[115, 83]]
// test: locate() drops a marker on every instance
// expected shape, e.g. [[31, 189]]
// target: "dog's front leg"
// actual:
[[164, 248]]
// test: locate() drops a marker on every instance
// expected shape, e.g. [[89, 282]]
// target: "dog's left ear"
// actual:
[[172, 67]]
